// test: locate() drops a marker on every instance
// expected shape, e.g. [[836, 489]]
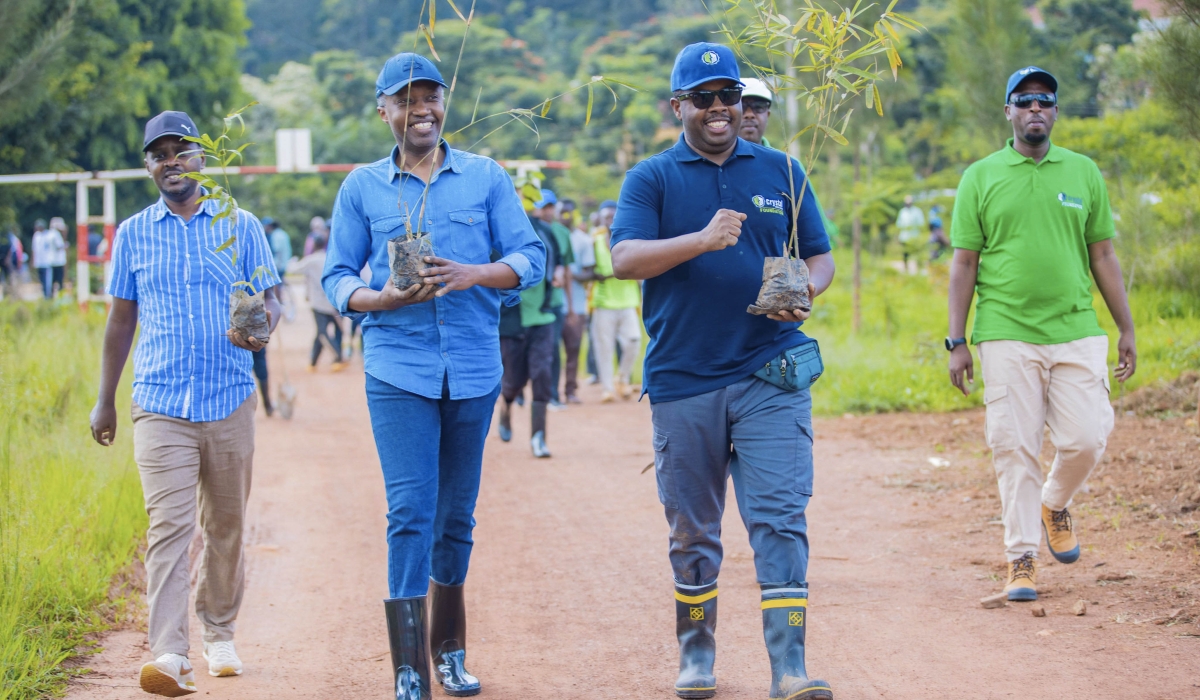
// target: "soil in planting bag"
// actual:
[[248, 315], [784, 287], [406, 257]]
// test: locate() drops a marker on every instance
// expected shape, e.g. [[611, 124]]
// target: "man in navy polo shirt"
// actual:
[[690, 223]]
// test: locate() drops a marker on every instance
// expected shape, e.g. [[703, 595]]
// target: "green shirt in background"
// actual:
[[612, 293], [566, 256], [1031, 224]]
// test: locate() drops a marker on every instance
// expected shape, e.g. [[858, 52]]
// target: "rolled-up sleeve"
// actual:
[[348, 248], [513, 237]]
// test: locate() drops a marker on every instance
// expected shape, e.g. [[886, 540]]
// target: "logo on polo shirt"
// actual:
[[766, 205], [1068, 201], [710, 57]]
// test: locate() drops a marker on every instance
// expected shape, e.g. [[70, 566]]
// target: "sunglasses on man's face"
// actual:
[[1025, 101], [703, 99], [756, 105]]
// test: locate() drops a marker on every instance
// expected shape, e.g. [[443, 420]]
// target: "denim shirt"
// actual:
[[471, 208]]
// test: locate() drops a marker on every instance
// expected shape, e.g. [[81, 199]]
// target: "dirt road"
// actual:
[[570, 592]]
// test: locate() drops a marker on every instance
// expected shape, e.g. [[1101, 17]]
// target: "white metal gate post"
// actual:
[[83, 219], [81, 236]]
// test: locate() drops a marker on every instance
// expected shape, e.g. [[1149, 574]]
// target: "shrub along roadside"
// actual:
[[70, 511], [897, 362]]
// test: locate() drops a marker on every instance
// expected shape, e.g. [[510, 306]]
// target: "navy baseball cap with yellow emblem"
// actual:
[[699, 63], [169, 124], [1015, 80], [405, 68]]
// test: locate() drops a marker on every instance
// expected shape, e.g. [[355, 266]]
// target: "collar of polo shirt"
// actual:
[[685, 153], [1013, 157]]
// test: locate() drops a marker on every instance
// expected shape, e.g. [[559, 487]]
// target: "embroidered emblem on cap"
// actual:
[[710, 57]]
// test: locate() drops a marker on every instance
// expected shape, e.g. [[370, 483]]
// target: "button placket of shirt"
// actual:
[[724, 194], [193, 291]]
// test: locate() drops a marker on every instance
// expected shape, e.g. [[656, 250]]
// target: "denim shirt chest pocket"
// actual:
[[409, 319], [470, 238], [385, 229]]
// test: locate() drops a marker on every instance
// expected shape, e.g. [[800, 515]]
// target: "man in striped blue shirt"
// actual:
[[193, 397]]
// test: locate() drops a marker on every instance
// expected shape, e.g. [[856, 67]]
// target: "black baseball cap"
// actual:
[[169, 124]]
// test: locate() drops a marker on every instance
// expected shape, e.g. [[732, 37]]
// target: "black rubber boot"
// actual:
[[785, 615], [537, 416], [408, 637], [448, 640], [696, 625]]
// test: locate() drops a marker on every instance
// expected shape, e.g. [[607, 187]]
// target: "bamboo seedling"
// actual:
[[827, 58], [406, 252]]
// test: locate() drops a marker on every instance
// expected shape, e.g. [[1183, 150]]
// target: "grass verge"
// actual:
[[70, 511], [896, 361]]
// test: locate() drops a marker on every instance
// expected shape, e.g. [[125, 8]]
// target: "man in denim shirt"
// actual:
[[431, 353]]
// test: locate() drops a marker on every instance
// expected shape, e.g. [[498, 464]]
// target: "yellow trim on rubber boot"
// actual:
[[785, 603], [812, 692], [696, 599]]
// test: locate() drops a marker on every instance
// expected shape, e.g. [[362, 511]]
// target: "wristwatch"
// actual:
[[952, 343]]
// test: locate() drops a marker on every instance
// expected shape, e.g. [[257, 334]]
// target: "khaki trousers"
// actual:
[[1028, 387], [609, 327], [184, 465]]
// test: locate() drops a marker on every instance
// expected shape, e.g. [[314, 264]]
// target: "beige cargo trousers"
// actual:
[[1028, 388]]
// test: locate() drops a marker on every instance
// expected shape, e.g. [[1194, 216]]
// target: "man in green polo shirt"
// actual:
[[1029, 222], [614, 314]]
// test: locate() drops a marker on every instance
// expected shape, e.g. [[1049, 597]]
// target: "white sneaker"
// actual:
[[222, 659], [170, 675]]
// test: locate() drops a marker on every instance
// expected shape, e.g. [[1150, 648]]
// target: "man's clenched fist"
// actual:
[[723, 231]]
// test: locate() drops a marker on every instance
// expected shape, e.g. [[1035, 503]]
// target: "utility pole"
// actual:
[[856, 232]]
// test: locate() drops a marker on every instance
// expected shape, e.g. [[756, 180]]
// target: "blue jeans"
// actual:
[[431, 451], [560, 316], [46, 277], [760, 434]]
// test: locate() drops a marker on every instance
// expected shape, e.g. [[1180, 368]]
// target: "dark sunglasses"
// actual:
[[1025, 101], [703, 99], [756, 105]]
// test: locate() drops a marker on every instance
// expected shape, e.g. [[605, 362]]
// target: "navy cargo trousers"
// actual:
[[760, 434]]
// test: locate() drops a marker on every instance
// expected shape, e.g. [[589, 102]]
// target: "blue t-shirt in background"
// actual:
[[701, 337]]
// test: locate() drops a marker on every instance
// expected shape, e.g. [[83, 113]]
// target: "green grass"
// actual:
[[70, 511], [897, 363]]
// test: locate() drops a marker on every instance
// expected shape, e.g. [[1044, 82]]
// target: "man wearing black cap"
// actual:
[[696, 222], [193, 397], [1030, 221], [431, 353]]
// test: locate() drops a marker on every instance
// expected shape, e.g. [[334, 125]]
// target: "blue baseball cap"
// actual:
[[699, 63], [169, 124], [1020, 76], [405, 68], [547, 199], [607, 204]]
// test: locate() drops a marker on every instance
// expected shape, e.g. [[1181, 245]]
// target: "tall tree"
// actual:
[[1174, 61], [122, 62]]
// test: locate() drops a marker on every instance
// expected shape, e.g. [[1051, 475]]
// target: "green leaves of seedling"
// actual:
[[221, 152]]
